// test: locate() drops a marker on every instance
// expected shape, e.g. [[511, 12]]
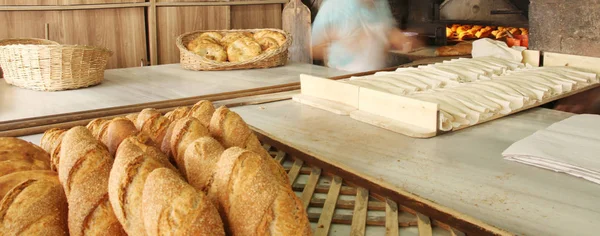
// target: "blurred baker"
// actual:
[[356, 35]]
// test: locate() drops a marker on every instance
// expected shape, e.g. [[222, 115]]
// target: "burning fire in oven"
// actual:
[[458, 32]]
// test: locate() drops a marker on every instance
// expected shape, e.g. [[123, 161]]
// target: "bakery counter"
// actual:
[[138, 85], [462, 170]]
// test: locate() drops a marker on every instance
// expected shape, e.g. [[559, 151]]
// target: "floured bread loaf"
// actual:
[[179, 136], [203, 111], [173, 207], [84, 170], [178, 113], [50, 142], [134, 160], [272, 208], [34, 207], [243, 49], [112, 132], [200, 160], [151, 122], [7, 182], [232, 131], [20, 155]]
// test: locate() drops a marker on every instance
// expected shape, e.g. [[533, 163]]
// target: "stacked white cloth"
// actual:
[[570, 146]]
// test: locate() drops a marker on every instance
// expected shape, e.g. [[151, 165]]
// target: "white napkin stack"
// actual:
[[570, 146]]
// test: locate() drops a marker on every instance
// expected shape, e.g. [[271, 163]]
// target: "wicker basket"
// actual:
[[192, 61], [45, 65]]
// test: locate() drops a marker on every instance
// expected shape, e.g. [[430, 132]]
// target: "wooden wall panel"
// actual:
[[26, 24], [60, 2], [256, 16], [174, 21], [121, 30]]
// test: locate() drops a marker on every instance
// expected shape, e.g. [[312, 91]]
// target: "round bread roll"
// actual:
[[279, 37], [243, 49], [19, 155], [232, 37], [212, 35], [211, 51], [267, 44]]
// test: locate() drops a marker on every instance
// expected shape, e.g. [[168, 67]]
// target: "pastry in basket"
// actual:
[[267, 44], [279, 37], [211, 51], [215, 36], [229, 38], [243, 49]]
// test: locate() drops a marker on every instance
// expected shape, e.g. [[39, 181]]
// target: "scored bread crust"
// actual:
[[83, 172], [151, 122], [134, 160], [9, 181], [181, 134], [203, 111], [178, 113], [251, 201], [20, 155], [200, 161], [34, 207], [231, 130], [173, 207], [51, 142]]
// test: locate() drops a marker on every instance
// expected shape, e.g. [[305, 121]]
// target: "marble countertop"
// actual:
[[147, 84]]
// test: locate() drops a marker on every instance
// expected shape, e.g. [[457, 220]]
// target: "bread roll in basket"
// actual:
[[268, 58]]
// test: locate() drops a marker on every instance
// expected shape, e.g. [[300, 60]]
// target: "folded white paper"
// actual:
[[570, 146], [489, 47]]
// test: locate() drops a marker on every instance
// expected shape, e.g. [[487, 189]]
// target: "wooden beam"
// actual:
[[74, 7]]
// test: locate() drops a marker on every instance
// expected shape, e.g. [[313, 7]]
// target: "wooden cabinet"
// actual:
[[256, 16]]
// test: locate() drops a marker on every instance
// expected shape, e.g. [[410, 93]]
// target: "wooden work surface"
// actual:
[[463, 170], [146, 84]]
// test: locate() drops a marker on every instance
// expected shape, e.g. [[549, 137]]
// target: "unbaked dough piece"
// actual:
[[432, 69], [567, 84], [447, 81], [487, 103], [511, 64], [536, 82], [469, 66], [378, 87], [396, 83], [461, 114], [465, 75], [509, 94], [527, 90], [498, 69], [506, 106], [405, 79]]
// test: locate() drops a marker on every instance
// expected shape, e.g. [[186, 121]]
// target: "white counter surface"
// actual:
[[147, 84]]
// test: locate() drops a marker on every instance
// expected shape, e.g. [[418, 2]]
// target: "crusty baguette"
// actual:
[[203, 111], [83, 172], [178, 138], [34, 207], [7, 182], [178, 113], [200, 159], [251, 201], [20, 155], [51, 142], [112, 132], [173, 207], [231, 130], [151, 122], [134, 160]]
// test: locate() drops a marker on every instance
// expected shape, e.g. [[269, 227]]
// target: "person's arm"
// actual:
[[584, 102]]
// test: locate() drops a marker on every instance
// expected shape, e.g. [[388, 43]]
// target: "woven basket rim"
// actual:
[[54, 45], [183, 49]]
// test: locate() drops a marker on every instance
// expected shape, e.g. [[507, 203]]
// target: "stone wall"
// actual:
[[565, 26]]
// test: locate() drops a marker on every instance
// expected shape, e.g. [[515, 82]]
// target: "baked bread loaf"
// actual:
[[267, 44], [34, 207], [173, 207], [84, 170], [181, 134], [251, 201], [178, 113], [210, 50], [212, 35], [232, 131], [112, 132], [279, 37], [243, 49], [460, 49], [200, 159], [19, 155], [134, 160], [231, 37], [9, 181], [203, 111], [50, 142], [151, 122]]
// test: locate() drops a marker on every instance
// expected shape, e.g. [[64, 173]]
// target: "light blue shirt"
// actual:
[[361, 33]]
